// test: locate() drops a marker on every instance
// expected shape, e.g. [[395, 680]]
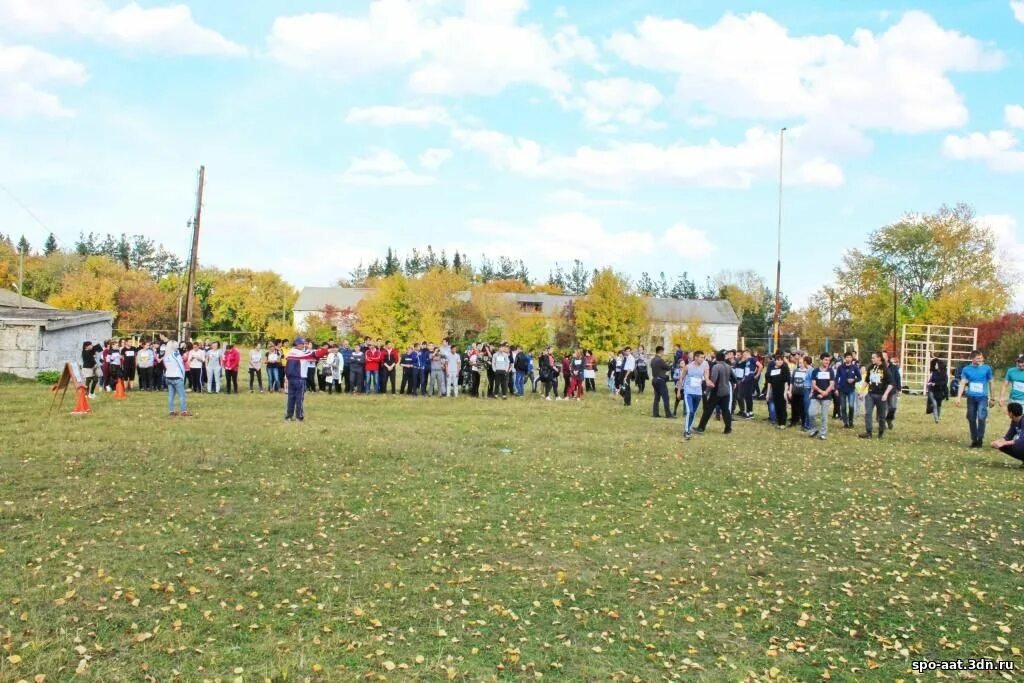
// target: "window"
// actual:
[[531, 306]]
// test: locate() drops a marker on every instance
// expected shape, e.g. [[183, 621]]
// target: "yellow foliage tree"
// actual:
[[398, 311], [690, 338], [93, 288], [530, 332], [611, 315]]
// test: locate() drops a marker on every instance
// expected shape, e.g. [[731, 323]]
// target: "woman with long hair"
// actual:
[[196, 361]]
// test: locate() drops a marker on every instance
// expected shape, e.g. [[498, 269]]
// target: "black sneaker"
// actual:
[[865, 435], [975, 444], [888, 423], [698, 430], [814, 434]]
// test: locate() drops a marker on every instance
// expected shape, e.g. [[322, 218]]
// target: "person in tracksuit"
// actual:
[[297, 363], [356, 369], [422, 369], [408, 362]]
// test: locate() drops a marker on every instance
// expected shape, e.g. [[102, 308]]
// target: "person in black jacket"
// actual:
[[778, 378], [659, 381], [938, 389]]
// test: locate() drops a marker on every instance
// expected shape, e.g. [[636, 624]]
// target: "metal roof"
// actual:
[[51, 318], [718, 311], [12, 299]]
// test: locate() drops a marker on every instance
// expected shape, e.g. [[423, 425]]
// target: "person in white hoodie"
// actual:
[[213, 368], [453, 369], [256, 367]]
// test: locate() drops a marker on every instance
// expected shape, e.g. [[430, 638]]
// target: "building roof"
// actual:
[[51, 318], [14, 300], [714, 312], [317, 298]]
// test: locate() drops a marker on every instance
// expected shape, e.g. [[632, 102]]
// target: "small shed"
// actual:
[[35, 336]]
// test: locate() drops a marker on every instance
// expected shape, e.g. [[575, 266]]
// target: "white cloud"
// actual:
[[1009, 249], [482, 50], [24, 71], [1018, 9], [383, 168], [749, 66], [1014, 114], [579, 200], [168, 29], [434, 157], [607, 103], [999, 149], [687, 242], [711, 164], [398, 116]]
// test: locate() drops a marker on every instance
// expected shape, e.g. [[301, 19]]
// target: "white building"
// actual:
[[35, 336], [713, 319]]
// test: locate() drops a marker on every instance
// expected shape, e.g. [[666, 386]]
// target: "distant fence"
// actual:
[[810, 345], [240, 337]]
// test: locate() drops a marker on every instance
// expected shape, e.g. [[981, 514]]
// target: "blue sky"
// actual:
[[642, 135]]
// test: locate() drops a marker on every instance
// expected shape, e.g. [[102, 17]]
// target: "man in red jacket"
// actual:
[[388, 364], [374, 356]]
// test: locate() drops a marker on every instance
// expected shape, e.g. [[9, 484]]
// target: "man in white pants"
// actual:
[[454, 370]]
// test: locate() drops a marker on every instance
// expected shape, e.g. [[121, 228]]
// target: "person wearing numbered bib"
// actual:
[[823, 386], [1014, 382], [876, 400], [977, 382], [778, 388], [800, 393], [692, 377]]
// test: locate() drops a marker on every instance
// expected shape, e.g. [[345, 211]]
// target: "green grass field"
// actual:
[[426, 539]]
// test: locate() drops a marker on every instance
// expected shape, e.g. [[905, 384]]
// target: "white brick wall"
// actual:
[[25, 350]]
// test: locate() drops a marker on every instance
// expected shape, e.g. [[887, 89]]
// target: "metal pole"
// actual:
[[778, 266], [193, 258], [894, 304], [21, 278]]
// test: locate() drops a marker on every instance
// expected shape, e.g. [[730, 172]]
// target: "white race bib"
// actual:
[[875, 377], [130, 354], [976, 387], [693, 382], [1018, 386], [739, 373], [824, 376], [776, 371], [799, 374]]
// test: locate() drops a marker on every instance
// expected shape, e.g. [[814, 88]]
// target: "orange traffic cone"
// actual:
[[82, 404], [119, 390]]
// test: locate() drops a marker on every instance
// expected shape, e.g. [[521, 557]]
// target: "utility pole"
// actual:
[[895, 283], [778, 266], [21, 277], [190, 292]]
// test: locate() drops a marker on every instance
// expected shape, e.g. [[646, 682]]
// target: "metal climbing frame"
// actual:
[[920, 342]]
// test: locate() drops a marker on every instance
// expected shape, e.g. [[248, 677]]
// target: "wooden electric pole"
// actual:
[[193, 259]]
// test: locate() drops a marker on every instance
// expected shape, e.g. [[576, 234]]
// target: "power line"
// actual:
[[29, 211]]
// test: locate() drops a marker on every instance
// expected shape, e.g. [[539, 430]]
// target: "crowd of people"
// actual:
[[798, 391]]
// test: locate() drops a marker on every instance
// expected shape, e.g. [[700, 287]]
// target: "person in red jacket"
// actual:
[[374, 356], [232, 359]]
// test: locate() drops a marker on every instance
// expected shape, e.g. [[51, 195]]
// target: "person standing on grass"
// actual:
[[422, 369], [356, 364], [693, 377], [847, 378], [547, 372], [659, 381], [374, 357], [876, 400], [274, 382], [174, 377], [144, 359], [389, 365], [1014, 382], [977, 381], [437, 374], [128, 364], [566, 375], [408, 363], [576, 369], [800, 393], [256, 367], [628, 374], [897, 389], [938, 391], [719, 384], [232, 360], [823, 387], [89, 371], [1013, 443], [778, 388], [589, 371], [522, 367], [500, 363], [454, 371], [641, 369], [297, 363], [196, 359]]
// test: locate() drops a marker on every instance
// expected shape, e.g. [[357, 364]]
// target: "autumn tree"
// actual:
[[530, 332], [248, 300], [611, 315], [397, 311]]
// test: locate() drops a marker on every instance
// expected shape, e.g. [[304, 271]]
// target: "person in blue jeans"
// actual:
[[848, 375], [174, 376], [977, 382]]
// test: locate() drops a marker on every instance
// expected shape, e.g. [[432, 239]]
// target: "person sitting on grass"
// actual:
[[1013, 443]]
